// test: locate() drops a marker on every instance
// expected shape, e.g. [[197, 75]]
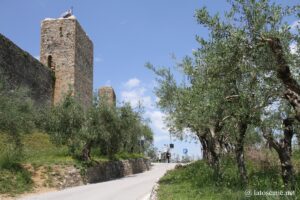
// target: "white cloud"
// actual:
[[137, 96], [157, 120], [135, 92], [37, 57], [293, 48], [158, 126], [132, 83]]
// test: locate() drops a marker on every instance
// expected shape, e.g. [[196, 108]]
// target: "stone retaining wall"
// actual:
[[116, 169], [62, 177]]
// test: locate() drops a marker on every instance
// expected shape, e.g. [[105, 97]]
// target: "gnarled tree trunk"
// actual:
[[284, 150], [214, 151], [292, 88], [205, 151], [239, 151], [86, 151]]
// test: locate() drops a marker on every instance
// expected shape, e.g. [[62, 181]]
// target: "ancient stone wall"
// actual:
[[21, 69], [65, 176], [107, 94], [83, 66], [116, 169]]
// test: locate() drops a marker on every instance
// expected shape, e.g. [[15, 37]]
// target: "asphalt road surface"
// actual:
[[133, 187]]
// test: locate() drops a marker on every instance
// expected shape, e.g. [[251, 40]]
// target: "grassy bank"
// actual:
[[38, 150], [15, 180], [38, 153], [197, 181]]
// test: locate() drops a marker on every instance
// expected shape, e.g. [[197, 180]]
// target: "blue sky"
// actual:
[[126, 35]]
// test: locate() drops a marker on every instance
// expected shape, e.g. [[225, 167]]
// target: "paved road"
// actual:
[[134, 187]]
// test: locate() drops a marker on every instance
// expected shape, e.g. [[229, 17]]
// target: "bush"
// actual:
[[9, 156]]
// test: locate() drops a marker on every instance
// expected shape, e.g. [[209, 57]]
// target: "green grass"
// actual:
[[126, 156], [15, 180], [38, 150], [197, 181]]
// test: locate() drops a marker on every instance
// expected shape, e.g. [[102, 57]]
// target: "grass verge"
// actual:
[[197, 181]]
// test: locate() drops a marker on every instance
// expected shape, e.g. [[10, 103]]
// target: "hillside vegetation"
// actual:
[[37, 137], [198, 181], [39, 153]]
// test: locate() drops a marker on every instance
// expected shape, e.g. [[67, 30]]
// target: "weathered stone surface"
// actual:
[[21, 69], [66, 63], [107, 94], [67, 50], [116, 169]]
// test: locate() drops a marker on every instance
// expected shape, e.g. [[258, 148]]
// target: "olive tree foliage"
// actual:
[[64, 123], [134, 128], [104, 127], [238, 72]]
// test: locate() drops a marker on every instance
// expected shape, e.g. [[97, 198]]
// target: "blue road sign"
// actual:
[[185, 150]]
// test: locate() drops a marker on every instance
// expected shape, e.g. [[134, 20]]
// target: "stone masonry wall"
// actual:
[[66, 49], [65, 176], [116, 169], [21, 69], [107, 94], [83, 66], [58, 53]]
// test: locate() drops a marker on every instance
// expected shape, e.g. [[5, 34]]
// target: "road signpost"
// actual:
[[185, 151]]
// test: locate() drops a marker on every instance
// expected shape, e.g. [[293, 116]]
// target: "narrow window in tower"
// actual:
[[60, 31], [50, 63]]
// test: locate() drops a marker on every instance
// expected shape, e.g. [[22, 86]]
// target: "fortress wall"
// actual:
[[21, 69]]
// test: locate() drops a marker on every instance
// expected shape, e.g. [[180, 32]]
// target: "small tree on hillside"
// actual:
[[64, 123]]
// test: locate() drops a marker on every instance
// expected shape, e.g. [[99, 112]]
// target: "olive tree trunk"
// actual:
[[284, 151], [292, 88], [239, 151], [86, 151]]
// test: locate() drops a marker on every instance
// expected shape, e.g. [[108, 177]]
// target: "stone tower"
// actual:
[[108, 94], [68, 51]]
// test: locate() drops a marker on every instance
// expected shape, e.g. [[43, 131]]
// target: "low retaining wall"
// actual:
[[116, 169], [64, 176]]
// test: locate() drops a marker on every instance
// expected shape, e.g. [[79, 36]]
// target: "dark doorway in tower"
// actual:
[[50, 62]]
